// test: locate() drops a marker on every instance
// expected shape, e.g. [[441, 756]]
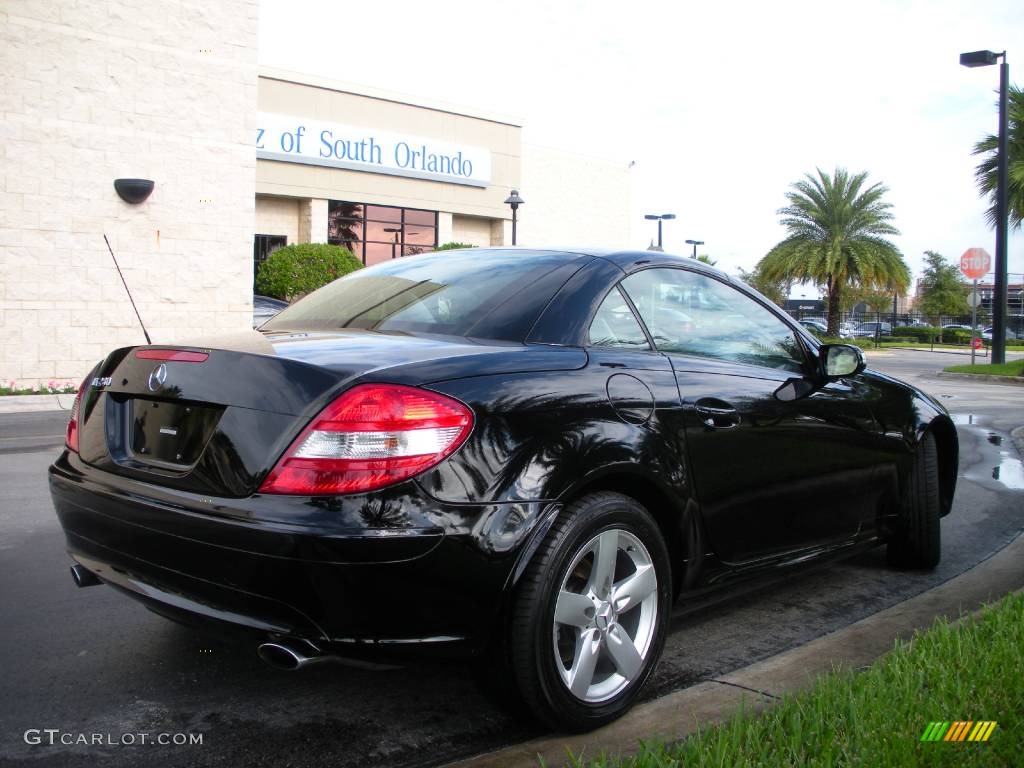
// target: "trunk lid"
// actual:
[[217, 423]]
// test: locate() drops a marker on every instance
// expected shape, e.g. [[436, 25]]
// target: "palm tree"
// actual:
[[836, 239], [987, 172]]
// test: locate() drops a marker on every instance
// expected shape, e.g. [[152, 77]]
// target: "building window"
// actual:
[[376, 233], [262, 247]]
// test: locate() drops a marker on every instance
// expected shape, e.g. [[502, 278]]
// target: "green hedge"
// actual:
[[453, 246], [296, 270], [856, 342], [898, 339], [956, 336], [922, 333]]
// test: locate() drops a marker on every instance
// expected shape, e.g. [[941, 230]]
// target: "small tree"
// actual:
[[705, 259], [943, 291], [296, 270], [878, 301]]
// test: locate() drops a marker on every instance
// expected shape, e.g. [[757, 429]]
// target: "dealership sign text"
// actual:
[[318, 142]]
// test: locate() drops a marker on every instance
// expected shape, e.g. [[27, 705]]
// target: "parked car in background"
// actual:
[[526, 456], [868, 330], [264, 308], [815, 326], [955, 326], [986, 334], [819, 326]]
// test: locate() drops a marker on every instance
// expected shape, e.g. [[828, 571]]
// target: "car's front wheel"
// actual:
[[591, 613], [917, 540]]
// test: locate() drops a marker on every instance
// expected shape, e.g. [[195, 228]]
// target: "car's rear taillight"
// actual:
[[71, 435], [373, 435]]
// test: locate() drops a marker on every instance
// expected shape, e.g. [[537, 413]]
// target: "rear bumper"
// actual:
[[387, 588]]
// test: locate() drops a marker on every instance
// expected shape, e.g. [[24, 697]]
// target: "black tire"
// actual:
[[917, 540], [536, 640]]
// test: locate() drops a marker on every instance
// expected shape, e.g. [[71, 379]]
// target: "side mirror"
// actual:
[[795, 389], [838, 360]]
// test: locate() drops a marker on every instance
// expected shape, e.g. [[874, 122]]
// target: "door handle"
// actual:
[[717, 414]]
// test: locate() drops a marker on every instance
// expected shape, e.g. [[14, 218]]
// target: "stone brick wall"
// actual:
[[91, 92]]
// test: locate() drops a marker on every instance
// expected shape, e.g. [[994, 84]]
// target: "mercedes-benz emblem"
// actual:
[[157, 377]]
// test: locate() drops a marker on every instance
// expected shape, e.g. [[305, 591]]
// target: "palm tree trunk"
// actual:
[[833, 308]]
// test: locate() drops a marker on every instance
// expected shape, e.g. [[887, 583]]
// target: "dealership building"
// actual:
[[242, 161]]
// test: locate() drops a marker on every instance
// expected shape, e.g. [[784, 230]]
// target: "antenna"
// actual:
[[144, 331]]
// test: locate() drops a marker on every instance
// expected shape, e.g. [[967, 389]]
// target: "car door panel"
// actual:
[[783, 475], [772, 476]]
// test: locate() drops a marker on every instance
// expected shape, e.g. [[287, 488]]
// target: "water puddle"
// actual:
[[1010, 473]]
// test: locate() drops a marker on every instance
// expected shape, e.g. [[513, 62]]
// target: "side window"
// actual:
[[692, 314], [615, 325]]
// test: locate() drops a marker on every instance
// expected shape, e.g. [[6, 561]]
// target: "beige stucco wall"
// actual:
[[277, 216], [290, 93], [472, 230], [90, 92], [574, 199]]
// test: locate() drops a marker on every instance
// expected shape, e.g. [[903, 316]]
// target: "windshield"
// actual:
[[448, 292]]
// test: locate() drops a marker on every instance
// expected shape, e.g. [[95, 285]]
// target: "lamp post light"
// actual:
[[514, 201], [985, 59], [394, 231], [659, 218], [694, 243]]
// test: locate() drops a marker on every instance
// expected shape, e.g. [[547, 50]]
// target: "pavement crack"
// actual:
[[746, 688]]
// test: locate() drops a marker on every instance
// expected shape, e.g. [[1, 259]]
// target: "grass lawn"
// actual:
[[968, 671], [1015, 368]]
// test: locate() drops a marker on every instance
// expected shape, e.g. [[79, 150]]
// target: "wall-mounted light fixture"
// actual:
[[133, 191]]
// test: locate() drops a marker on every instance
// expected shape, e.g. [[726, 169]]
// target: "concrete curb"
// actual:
[[1013, 381], [677, 715], [33, 403]]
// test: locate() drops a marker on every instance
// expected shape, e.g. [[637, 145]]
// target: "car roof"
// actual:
[[626, 260]]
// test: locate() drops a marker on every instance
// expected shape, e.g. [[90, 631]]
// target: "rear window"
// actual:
[[448, 292]]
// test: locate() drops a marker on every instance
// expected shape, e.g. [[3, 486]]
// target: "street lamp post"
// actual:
[[659, 218], [694, 243], [984, 59], [514, 201]]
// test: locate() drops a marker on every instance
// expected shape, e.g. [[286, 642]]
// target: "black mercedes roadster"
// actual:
[[523, 455]]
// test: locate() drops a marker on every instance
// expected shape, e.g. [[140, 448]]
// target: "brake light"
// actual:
[[371, 436], [71, 435], [177, 355]]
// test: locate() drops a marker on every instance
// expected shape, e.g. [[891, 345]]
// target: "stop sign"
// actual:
[[975, 263]]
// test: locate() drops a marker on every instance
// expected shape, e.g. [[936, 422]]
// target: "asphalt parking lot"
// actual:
[[93, 662]]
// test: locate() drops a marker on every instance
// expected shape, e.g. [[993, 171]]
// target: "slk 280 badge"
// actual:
[[101, 382]]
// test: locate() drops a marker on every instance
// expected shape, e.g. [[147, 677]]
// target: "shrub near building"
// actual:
[[295, 270]]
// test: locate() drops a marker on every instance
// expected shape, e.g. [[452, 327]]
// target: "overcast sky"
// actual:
[[721, 106]]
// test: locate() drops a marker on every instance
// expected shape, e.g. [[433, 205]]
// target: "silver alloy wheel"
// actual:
[[606, 612]]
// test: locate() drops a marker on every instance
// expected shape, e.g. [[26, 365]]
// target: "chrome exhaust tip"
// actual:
[[83, 576], [286, 657]]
